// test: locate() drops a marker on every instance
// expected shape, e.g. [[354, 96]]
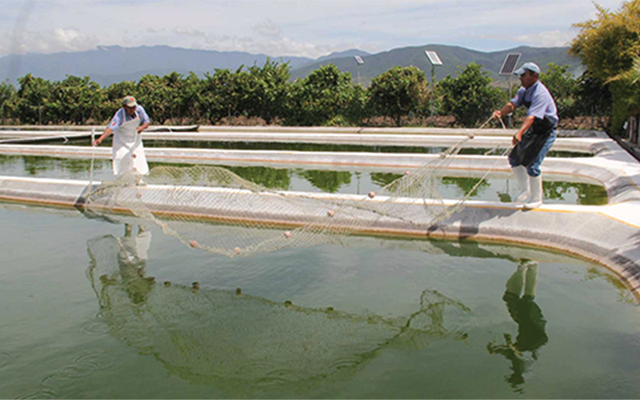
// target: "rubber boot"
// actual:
[[531, 279], [523, 183], [535, 200], [516, 281]]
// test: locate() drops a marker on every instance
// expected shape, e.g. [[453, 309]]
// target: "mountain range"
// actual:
[[109, 64]]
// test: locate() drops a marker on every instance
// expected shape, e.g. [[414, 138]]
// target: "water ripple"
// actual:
[[5, 358], [82, 367], [94, 328]]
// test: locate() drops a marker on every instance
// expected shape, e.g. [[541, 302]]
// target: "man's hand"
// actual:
[[96, 142], [517, 138], [497, 114]]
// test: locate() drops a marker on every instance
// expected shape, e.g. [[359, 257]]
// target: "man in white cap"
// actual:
[[127, 126], [536, 135]]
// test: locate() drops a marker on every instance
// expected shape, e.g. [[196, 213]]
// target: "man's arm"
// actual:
[[525, 127], [146, 121], [507, 109], [106, 134], [142, 127]]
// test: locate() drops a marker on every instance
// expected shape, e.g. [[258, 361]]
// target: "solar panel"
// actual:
[[359, 60], [433, 57], [509, 64]]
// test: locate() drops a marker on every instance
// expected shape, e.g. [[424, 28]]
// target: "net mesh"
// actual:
[[192, 202], [222, 336]]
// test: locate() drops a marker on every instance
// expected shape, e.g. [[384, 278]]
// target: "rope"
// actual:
[[484, 177], [489, 120]]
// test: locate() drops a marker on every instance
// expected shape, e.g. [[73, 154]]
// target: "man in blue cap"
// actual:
[[536, 135]]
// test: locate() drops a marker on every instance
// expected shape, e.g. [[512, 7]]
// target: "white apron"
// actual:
[[128, 153]]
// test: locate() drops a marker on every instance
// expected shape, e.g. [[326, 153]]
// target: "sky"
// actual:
[[290, 28]]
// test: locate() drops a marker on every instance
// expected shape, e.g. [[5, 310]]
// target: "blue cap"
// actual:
[[533, 67]]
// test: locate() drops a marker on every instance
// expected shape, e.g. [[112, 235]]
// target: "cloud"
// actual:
[[49, 41], [188, 31], [555, 38], [267, 29]]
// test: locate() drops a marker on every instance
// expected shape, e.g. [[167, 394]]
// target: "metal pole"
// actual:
[[433, 88], [509, 99]]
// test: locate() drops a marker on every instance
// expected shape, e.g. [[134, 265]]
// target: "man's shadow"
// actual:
[[531, 324]]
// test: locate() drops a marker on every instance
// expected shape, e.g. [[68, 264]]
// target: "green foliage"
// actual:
[[75, 100], [469, 97], [325, 97], [322, 97], [398, 92], [161, 96], [267, 90], [608, 46], [220, 94], [592, 97], [563, 87], [33, 100], [7, 100], [357, 108]]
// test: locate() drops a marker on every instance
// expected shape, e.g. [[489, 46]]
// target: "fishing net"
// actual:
[[216, 336], [192, 202]]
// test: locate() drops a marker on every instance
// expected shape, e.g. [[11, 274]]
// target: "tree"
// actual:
[[33, 99], [607, 46], [267, 91], [7, 100], [75, 100], [154, 93], [223, 94], [398, 92], [563, 87], [469, 97], [191, 98], [321, 97]]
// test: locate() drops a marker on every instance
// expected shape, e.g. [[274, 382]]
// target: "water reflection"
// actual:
[[248, 345], [327, 181], [324, 180], [466, 185], [586, 194], [531, 324], [197, 144], [271, 178]]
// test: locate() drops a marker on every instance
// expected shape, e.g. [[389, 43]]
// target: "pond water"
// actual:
[[309, 180], [199, 144], [97, 309]]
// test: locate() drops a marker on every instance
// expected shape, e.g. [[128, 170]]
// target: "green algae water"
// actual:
[[114, 309], [236, 145], [325, 181]]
